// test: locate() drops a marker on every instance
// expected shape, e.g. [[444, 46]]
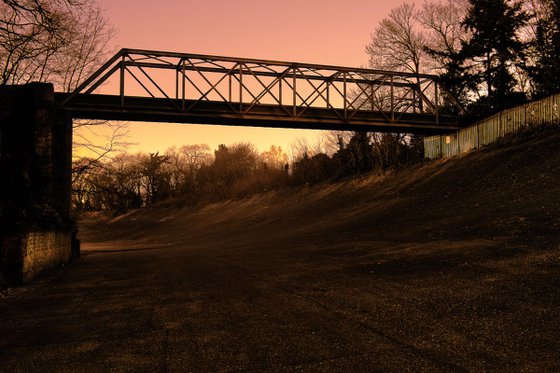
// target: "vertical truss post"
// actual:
[[240, 88], [183, 85], [177, 82], [122, 71], [229, 86], [420, 99], [328, 93], [392, 98], [294, 102], [344, 94], [436, 101], [371, 99], [280, 78]]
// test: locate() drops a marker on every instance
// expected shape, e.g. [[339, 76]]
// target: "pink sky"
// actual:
[[317, 31]]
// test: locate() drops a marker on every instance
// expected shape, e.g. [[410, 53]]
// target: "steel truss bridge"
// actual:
[[143, 85]]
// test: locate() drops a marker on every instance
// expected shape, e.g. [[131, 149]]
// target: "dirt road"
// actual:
[[454, 267]]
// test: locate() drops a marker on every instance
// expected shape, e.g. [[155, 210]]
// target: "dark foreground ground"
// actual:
[[454, 265]]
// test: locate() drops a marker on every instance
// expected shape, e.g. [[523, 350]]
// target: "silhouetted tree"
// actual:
[[355, 157], [545, 48], [494, 47], [57, 41], [387, 149], [445, 36], [444, 32], [156, 181], [231, 165], [312, 170], [397, 43], [194, 158]]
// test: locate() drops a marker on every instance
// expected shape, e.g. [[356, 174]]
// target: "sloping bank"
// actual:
[[511, 191]]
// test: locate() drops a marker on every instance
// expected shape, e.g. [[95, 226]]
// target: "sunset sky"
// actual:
[[316, 31]]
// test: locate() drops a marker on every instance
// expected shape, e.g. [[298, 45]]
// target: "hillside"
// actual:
[[451, 264], [508, 194]]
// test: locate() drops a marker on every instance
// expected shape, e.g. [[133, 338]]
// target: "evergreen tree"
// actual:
[[455, 79], [494, 47], [546, 49]]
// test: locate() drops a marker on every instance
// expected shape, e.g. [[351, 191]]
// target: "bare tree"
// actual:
[[93, 141], [96, 139], [274, 158], [336, 140], [29, 32], [156, 182], [303, 147], [59, 41], [84, 53], [444, 32], [193, 158], [398, 43], [114, 184]]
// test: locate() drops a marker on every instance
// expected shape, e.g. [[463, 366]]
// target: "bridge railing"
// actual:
[[185, 81]]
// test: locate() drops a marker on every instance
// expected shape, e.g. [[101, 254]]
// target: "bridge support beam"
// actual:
[[35, 183]]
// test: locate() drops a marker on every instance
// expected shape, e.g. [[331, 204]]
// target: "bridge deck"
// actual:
[[163, 110]]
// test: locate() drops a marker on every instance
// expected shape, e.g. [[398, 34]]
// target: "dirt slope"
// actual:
[[452, 265], [509, 194]]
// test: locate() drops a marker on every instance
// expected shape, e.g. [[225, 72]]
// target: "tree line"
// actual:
[[192, 174]]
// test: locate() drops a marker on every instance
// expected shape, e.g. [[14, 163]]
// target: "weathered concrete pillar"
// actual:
[[35, 182]]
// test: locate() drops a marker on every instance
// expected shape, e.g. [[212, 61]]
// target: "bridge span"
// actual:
[[143, 85], [140, 85]]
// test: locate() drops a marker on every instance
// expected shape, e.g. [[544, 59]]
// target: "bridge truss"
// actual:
[[191, 88]]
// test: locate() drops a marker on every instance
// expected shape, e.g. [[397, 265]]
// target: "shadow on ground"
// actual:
[[453, 265]]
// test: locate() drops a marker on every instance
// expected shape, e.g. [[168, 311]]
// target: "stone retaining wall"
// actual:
[[35, 182], [27, 255], [44, 250]]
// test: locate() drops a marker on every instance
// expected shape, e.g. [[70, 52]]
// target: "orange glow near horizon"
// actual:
[[332, 32]]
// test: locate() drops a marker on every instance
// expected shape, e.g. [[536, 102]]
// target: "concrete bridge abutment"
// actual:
[[36, 229]]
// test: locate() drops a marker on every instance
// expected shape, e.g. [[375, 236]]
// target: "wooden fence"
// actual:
[[488, 130]]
